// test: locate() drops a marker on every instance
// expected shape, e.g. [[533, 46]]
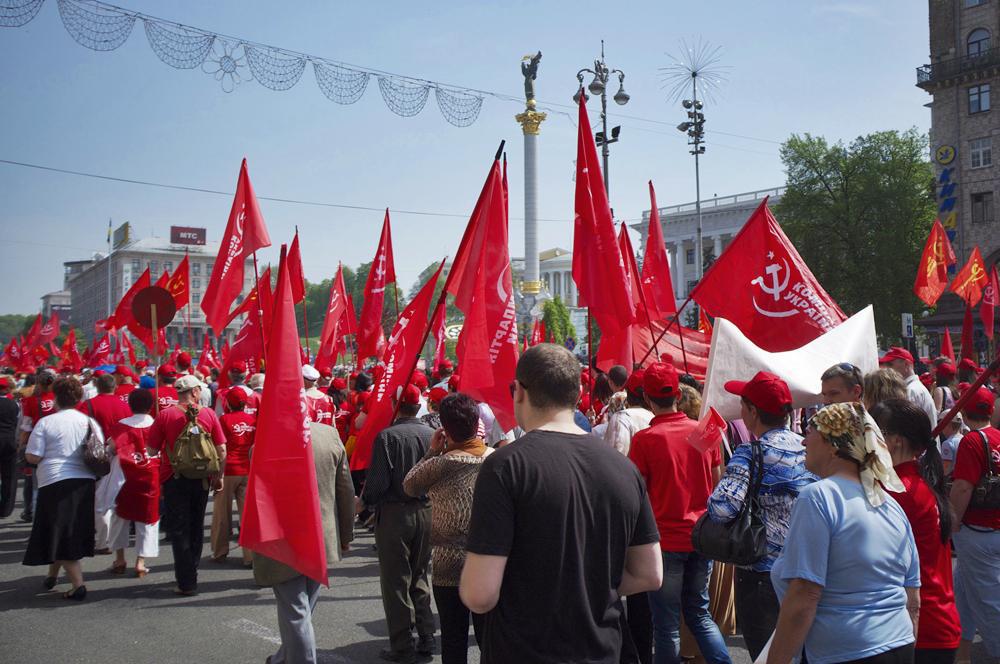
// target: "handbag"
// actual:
[[95, 452], [986, 493], [743, 540]]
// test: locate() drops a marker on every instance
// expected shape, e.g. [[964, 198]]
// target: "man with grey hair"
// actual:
[[901, 361]]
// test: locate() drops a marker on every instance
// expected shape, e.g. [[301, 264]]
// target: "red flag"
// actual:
[[335, 323], [988, 307], [39, 355], [224, 350], [598, 268], [126, 343], [208, 357], [123, 317], [295, 273], [31, 337], [704, 325], [69, 353], [370, 337], [282, 518], [932, 274], [402, 350], [762, 285], [179, 285], [710, 432], [15, 352], [968, 348], [245, 234], [538, 332], [971, 279], [49, 331], [487, 345], [117, 356], [946, 347], [104, 325], [656, 282], [616, 347], [249, 343], [102, 349]]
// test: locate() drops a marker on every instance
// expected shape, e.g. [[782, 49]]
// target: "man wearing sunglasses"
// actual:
[[842, 383]]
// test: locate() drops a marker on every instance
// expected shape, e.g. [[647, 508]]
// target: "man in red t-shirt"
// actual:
[[977, 540], [166, 393], [679, 479], [184, 499], [319, 406], [239, 428], [41, 403], [125, 378]]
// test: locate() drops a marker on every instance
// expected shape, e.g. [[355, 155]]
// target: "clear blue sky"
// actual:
[[832, 68]]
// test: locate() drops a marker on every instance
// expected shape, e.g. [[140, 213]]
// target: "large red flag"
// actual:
[[370, 336], [249, 343], [179, 285], [32, 335], [968, 327], [989, 304], [13, 352], [971, 279], [208, 357], [69, 353], [762, 285], [487, 345], [245, 234], [932, 274], [616, 347], [282, 518], [334, 325], [598, 268], [126, 344], [402, 350], [122, 317], [101, 352], [49, 331], [656, 281], [295, 273], [947, 349]]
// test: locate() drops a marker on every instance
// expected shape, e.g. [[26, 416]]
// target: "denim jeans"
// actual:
[[685, 589]]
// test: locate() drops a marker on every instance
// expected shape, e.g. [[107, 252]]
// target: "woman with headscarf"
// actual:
[[848, 576], [917, 462]]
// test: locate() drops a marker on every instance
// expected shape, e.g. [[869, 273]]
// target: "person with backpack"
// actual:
[[192, 446]]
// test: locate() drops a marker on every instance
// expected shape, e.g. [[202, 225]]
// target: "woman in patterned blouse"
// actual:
[[447, 474]]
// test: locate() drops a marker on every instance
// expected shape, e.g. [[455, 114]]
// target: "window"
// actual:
[[691, 285], [979, 98], [196, 283], [196, 268], [689, 256], [978, 42], [974, 3], [196, 297], [154, 269], [208, 266], [981, 153], [982, 208], [135, 264]]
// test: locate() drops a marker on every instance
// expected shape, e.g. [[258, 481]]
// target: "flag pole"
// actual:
[[305, 310], [260, 311], [680, 333], [964, 399], [666, 329]]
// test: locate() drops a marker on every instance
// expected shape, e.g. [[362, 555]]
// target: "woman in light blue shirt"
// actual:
[[848, 576]]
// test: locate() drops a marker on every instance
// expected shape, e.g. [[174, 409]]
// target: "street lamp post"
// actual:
[[599, 86], [694, 127]]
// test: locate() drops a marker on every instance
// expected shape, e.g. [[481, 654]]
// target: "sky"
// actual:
[[838, 69]]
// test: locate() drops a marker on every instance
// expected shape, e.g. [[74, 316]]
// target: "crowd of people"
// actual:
[[571, 537]]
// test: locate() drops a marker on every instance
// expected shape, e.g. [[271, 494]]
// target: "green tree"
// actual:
[[12, 325], [859, 214], [557, 321]]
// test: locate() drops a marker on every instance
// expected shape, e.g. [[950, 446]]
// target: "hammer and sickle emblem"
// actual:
[[777, 286]]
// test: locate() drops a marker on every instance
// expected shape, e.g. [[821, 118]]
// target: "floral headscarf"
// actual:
[[849, 428]]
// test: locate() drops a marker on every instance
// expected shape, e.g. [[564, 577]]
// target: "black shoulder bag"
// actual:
[[742, 541], [986, 493], [95, 451]]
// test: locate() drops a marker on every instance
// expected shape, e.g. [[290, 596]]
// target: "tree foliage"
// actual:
[[12, 325], [558, 325], [859, 214], [318, 296]]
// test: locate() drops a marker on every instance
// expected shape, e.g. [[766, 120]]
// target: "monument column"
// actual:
[[530, 121]]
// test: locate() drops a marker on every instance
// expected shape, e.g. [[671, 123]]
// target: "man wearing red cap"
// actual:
[[319, 406], [636, 416], [166, 395], [445, 371], [237, 381], [901, 360], [977, 539], [968, 370], [239, 428], [942, 393], [679, 478], [402, 530], [765, 405], [124, 377]]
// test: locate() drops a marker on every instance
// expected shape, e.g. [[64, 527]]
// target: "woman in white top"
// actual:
[[63, 529]]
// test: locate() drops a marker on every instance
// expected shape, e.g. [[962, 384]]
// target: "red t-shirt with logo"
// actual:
[[939, 626], [108, 410], [319, 408], [678, 476], [37, 406], [123, 390], [169, 424], [166, 396], [239, 428], [970, 465]]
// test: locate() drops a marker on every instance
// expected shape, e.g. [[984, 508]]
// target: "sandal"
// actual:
[[141, 572], [78, 593], [49, 583], [117, 568]]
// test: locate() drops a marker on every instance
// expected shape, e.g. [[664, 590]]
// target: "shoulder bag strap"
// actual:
[[755, 476], [989, 456]]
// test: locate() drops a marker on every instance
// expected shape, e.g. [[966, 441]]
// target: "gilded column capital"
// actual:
[[531, 121]]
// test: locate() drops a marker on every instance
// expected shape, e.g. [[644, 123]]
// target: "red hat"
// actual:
[[409, 394], [166, 371], [963, 387], [339, 384], [454, 382], [354, 374], [123, 370], [661, 380], [968, 364], [896, 353], [239, 366], [634, 382], [980, 404], [437, 394], [326, 373], [584, 404], [183, 360], [946, 370], [765, 391], [927, 378], [236, 396], [419, 378], [141, 364], [5, 383], [445, 364]]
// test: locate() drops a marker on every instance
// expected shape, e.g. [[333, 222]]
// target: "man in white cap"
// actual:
[[319, 406]]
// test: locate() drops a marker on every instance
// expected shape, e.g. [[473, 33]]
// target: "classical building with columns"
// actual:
[[721, 218], [555, 271]]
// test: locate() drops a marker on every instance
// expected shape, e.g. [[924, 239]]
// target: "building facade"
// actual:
[[91, 299], [962, 77], [721, 219], [555, 272]]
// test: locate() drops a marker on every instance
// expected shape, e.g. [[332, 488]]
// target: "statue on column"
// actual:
[[529, 68]]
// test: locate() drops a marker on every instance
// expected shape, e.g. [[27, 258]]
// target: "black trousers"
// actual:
[[8, 479], [454, 618], [900, 655], [757, 608], [184, 502], [640, 630], [28, 492], [934, 656]]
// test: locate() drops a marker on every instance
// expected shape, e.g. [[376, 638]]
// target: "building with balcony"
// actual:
[[964, 70]]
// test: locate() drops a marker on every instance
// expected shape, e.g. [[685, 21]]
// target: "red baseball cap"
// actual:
[[445, 364], [183, 360], [238, 366], [454, 382], [980, 404], [896, 353], [661, 380], [419, 378], [409, 394], [946, 369], [634, 382], [339, 384], [437, 394], [765, 391], [326, 373], [5, 383], [166, 371], [927, 378], [966, 363], [236, 396]]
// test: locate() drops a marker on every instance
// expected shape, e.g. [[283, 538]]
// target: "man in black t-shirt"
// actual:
[[561, 528]]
